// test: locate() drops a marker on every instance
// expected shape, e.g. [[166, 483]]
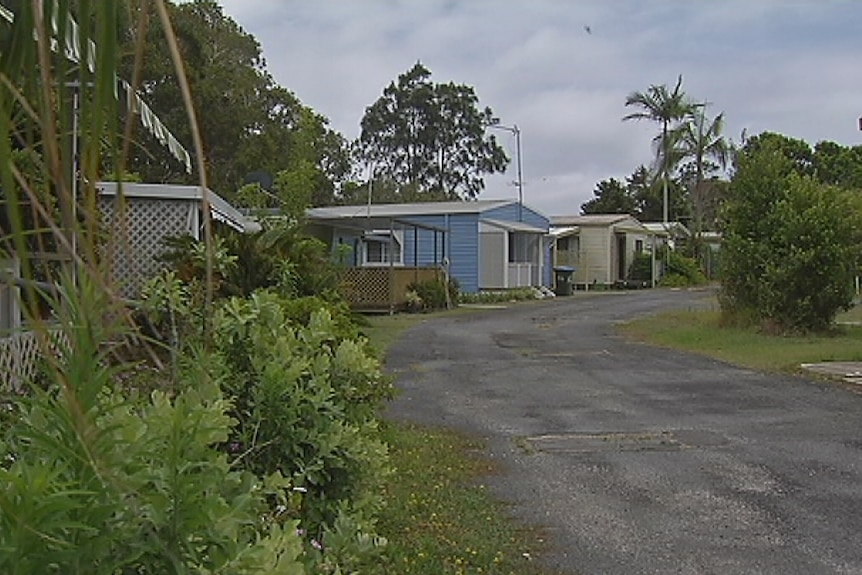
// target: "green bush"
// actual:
[[432, 294], [681, 271], [640, 269], [98, 480], [501, 296], [305, 400], [791, 246]]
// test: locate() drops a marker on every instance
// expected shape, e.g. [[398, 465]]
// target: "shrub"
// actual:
[[640, 269], [434, 294], [681, 271], [99, 481], [305, 400], [500, 296], [791, 246]]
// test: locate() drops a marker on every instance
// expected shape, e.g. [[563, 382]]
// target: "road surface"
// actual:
[[636, 459]]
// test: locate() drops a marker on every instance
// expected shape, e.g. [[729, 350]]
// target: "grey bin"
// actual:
[[563, 280]]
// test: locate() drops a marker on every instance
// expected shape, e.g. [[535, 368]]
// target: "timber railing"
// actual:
[[382, 288]]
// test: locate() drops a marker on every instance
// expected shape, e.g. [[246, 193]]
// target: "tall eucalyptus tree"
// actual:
[[431, 137]]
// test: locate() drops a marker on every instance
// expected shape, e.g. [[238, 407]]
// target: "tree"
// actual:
[[611, 197], [248, 123], [431, 136], [701, 141], [646, 193], [838, 165], [790, 244], [666, 107]]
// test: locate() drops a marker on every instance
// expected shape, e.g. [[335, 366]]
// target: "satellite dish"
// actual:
[[260, 177]]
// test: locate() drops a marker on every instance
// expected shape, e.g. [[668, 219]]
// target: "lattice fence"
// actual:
[[367, 287], [20, 354], [137, 239], [382, 288]]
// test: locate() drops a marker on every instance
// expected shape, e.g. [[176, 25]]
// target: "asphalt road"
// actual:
[[637, 459]]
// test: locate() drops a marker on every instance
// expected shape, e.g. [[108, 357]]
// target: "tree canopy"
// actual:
[[248, 122], [791, 242], [430, 137], [640, 196]]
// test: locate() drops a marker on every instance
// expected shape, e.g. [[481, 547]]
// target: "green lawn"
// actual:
[[700, 332]]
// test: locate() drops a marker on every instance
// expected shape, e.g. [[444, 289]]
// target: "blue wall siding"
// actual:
[[462, 246], [461, 241], [464, 250], [420, 242]]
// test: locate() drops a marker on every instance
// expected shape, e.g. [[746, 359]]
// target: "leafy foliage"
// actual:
[[267, 130], [681, 271], [431, 136], [305, 401], [667, 108], [434, 294], [641, 268], [791, 245], [640, 196], [99, 481], [611, 197], [701, 142]]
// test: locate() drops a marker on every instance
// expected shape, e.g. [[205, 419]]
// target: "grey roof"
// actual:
[[515, 226], [589, 220], [220, 209], [405, 210], [670, 228]]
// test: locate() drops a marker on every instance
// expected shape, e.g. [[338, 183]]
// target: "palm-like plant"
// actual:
[[668, 108], [701, 140]]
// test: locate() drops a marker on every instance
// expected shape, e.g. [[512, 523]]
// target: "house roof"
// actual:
[[564, 231], [674, 229], [514, 226], [622, 222], [220, 209], [589, 220], [405, 210]]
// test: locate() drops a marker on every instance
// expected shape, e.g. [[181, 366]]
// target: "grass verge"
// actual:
[[700, 332], [439, 518]]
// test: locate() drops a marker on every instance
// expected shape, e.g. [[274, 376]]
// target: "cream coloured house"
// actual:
[[600, 247]]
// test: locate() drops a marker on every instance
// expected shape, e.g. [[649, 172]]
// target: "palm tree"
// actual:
[[666, 107], [702, 141]]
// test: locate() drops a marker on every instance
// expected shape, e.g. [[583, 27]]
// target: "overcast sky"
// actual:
[[561, 70]]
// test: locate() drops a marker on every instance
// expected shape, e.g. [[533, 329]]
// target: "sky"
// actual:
[[561, 70]]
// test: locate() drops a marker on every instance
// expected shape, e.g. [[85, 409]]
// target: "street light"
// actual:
[[513, 129]]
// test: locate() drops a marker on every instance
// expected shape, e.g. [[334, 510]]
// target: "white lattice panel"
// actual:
[[19, 357], [136, 239]]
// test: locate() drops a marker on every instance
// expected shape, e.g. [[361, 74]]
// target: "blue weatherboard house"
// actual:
[[484, 244]]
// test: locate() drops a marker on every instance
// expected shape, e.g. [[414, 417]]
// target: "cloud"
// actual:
[[788, 67]]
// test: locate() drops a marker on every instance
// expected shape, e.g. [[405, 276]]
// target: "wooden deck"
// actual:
[[383, 288]]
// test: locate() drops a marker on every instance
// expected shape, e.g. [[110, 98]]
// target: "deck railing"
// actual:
[[382, 288]]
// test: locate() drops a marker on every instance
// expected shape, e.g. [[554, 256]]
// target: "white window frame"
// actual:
[[383, 239]]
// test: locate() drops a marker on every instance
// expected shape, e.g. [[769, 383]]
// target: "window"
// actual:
[[380, 250], [639, 246], [563, 244], [523, 248]]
